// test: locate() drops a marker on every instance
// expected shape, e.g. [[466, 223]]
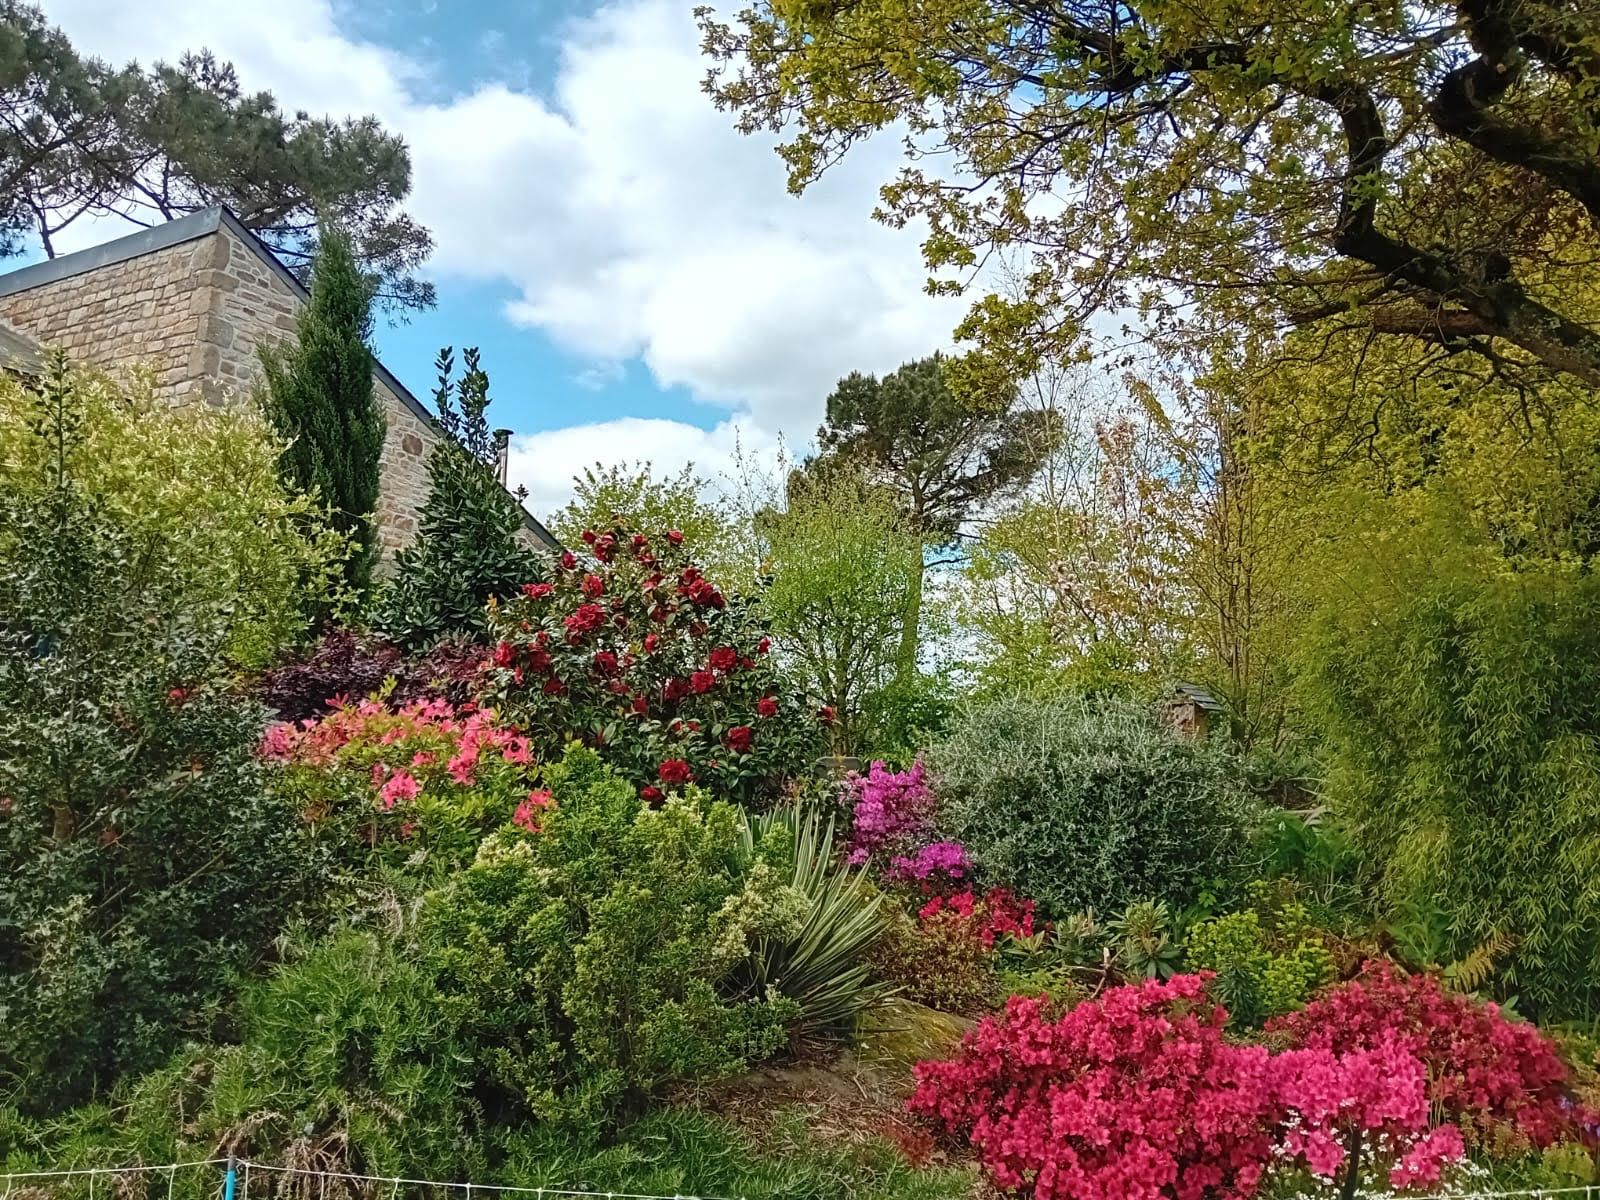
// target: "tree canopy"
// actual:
[[941, 456], [1427, 170], [79, 137]]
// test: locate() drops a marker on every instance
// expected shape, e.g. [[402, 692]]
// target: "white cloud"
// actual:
[[631, 218], [545, 463]]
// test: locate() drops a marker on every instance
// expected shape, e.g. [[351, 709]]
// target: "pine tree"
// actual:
[[320, 396], [469, 543]]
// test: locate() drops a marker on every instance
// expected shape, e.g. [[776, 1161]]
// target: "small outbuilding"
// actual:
[[1193, 710]]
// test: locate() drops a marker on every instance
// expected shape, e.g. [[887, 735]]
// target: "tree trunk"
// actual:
[[906, 660]]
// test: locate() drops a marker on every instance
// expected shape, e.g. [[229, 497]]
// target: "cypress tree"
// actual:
[[320, 397]]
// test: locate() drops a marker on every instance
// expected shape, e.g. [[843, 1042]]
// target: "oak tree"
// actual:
[[1424, 169]]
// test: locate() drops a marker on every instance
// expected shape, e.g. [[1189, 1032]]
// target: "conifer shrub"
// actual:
[[470, 545], [319, 396], [589, 958]]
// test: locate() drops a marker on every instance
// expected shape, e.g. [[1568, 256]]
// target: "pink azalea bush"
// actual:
[[935, 861], [424, 776], [1138, 1095], [1502, 1082]]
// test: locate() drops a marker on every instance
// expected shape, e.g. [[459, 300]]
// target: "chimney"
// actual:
[[502, 454]]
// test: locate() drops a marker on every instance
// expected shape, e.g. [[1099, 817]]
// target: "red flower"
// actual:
[[739, 739], [651, 641], [675, 536], [177, 695], [674, 771], [650, 794], [585, 619], [594, 587], [554, 686], [766, 707], [504, 654], [640, 541], [617, 687], [568, 560], [724, 658], [676, 689], [539, 660], [605, 547], [537, 591], [827, 715], [605, 662], [641, 705], [702, 681], [764, 645]]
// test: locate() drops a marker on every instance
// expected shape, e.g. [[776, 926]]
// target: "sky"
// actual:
[[640, 281]]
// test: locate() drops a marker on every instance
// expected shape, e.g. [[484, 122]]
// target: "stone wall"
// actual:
[[250, 305], [196, 314], [143, 311]]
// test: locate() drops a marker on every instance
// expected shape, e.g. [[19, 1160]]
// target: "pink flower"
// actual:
[[401, 786], [525, 816]]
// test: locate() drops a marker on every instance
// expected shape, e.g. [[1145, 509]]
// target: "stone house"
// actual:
[[192, 301]]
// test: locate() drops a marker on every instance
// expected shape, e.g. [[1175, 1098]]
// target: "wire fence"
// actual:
[[245, 1179], [242, 1179]]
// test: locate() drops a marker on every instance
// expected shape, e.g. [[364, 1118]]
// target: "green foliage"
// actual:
[[824, 966], [676, 1152], [607, 496], [320, 398], [194, 490], [344, 1060], [1463, 740], [904, 715], [81, 137], [591, 963], [1142, 941], [1318, 855], [469, 545], [1263, 166], [1076, 802], [844, 565], [142, 859], [1268, 959]]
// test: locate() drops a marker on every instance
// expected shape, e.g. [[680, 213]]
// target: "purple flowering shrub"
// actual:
[[933, 862], [893, 828]]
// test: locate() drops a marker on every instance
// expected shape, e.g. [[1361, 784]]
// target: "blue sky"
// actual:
[[639, 280]]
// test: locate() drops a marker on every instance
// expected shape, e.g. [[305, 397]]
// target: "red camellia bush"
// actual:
[[631, 650], [1136, 1095]]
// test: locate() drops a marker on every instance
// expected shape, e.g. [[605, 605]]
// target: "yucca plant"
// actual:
[[824, 966]]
